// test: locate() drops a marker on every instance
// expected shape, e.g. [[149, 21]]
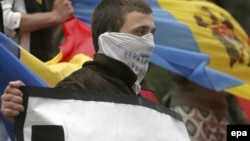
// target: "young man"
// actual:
[[122, 33]]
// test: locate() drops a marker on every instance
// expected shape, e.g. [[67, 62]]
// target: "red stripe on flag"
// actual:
[[245, 105], [78, 39]]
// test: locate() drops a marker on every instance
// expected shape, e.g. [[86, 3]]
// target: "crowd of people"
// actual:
[[128, 31]]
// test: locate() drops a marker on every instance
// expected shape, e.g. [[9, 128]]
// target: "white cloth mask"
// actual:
[[130, 49]]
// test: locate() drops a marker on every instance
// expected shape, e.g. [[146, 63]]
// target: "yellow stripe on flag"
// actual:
[[241, 91], [52, 72]]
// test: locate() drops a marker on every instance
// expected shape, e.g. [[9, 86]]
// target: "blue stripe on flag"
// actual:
[[193, 66], [169, 30], [10, 45], [11, 68], [84, 8]]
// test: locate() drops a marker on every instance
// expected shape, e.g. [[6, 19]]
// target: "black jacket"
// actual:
[[103, 74]]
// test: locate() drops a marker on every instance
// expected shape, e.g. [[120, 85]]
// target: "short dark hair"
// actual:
[[109, 16]]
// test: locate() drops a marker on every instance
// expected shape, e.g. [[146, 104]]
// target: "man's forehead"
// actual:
[[138, 17]]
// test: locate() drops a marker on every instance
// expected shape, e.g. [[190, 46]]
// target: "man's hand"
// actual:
[[62, 10], [12, 100]]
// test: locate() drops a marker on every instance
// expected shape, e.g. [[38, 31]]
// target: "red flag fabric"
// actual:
[[78, 39]]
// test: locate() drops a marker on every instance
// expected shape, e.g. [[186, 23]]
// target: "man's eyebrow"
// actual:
[[147, 27]]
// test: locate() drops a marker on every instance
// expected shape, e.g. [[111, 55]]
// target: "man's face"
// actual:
[[138, 24]]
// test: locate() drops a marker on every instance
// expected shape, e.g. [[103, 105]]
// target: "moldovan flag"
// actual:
[[205, 28], [75, 50], [214, 48], [51, 114]]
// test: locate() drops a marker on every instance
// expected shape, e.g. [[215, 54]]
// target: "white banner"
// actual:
[[66, 115]]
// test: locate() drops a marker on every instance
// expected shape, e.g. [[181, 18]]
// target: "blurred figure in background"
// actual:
[[204, 111], [30, 23]]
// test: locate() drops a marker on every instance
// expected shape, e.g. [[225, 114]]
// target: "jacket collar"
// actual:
[[119, 69]]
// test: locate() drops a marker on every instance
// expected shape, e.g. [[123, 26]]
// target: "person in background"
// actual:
[[30, 23], [123, 42], [204, 111]]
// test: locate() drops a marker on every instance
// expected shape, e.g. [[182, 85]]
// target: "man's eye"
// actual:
[[141, 32]]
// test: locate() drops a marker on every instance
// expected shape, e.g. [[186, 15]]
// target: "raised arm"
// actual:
[[62, 10]]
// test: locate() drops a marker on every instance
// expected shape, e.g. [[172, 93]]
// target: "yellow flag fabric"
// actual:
[[53, 71], [76, 49]]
